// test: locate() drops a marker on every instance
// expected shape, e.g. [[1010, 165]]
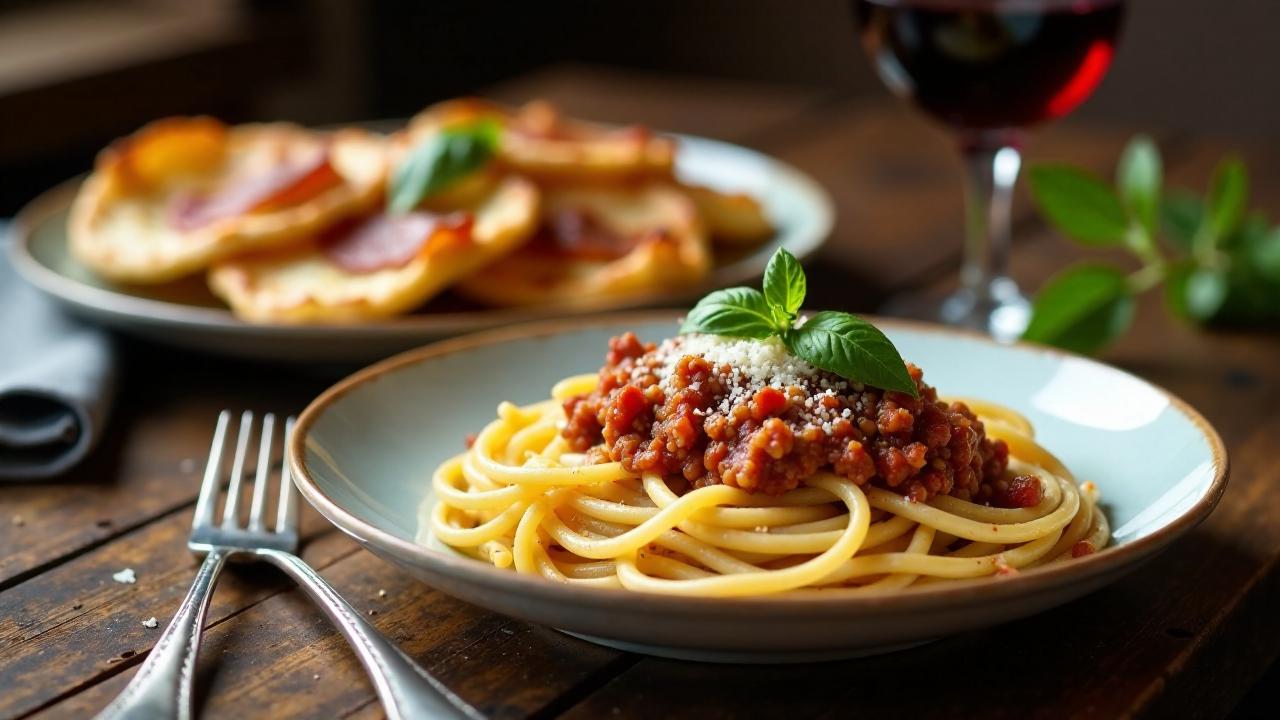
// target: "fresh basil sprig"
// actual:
[[833, 341], [736, 312], [1218, 263], [443, 159]]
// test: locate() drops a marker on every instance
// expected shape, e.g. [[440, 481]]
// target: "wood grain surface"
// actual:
[[1186, 635]]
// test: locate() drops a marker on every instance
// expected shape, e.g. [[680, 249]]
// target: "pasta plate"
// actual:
[[363, 453]]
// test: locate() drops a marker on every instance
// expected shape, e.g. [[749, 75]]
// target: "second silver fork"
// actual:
[[163, 686]]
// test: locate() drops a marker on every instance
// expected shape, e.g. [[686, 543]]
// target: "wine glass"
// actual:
[[988, 69]]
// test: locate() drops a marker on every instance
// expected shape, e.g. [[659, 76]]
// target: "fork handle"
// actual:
[[162, 688], [407, 691]]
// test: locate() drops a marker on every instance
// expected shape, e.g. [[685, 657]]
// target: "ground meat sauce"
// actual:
[[685, 409]]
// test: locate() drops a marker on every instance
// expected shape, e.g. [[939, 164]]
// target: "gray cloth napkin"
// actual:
[[57, 375]]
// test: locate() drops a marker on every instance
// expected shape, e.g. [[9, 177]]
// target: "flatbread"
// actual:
[[182, 193], [382, 273], [540, 142], [653, 240]]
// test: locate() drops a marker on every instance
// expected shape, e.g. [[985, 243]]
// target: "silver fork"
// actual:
[[163, 685]]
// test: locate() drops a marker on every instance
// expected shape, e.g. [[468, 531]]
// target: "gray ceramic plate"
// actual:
[[363, 453], [187, 314]]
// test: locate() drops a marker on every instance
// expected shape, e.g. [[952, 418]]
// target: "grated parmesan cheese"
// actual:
[[759, 362], [746, 366]]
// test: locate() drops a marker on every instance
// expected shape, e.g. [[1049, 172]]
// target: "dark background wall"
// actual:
[[1202, 65], [75, 73]]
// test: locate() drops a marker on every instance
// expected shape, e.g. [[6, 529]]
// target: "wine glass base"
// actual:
[[1001, 312]]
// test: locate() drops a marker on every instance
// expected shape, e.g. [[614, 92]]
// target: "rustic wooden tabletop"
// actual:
[[1188, 633]]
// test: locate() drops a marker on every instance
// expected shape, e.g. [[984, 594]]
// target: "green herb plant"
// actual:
[[1217, 262], [834, 341], [441, 160]]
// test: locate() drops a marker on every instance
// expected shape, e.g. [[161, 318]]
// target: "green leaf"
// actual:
[[1138, 176], [1082, 309], [1204, 293], [1175, 288], [853, 349], [1264, 253], [1227, 198], [784, 286], [441, 160], [1183, 213], [1252, 228], [1079, 205], [1238, 290], [736, 312]]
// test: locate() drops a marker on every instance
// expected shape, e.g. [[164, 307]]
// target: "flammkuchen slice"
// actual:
[[731, 219], [182, 193], [597, 243], [382, 264], [539, 141]]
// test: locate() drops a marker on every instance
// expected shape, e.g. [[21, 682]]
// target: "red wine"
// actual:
[[990, 64]]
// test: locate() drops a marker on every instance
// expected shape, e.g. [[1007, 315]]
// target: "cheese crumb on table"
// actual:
[[150, 622], [125, 576]]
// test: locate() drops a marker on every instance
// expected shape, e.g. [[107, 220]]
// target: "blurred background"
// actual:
[[76, 73]]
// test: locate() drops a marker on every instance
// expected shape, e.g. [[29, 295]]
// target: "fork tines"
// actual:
[[231, 527]]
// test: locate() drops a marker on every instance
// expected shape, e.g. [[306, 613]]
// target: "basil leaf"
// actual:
[[851, 348], [784, 286], [736, 312], [1237, 293], [1082, 309], [441, 160], [1249, 298], [1264, 253], [1182, 213], [1175, 288], [1227, 198], [1079, 205], [1204, 293], [1138, 176], [1248, 234]]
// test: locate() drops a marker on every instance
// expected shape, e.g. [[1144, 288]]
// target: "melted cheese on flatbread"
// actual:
[[670, 251], [122, 221], [307, 286], [540, 142]]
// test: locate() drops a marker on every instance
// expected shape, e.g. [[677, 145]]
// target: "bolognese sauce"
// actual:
[[748, 414]]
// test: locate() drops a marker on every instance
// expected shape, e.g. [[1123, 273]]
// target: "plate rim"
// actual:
[[1110, 559], [132, 309]]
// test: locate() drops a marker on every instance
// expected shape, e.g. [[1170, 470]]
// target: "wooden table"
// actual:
[[1188, 633]]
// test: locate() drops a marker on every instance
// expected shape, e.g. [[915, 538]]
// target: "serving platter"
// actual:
[[362, 454], [187, 314]]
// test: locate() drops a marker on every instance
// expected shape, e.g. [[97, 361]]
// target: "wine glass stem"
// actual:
[[992, 171]]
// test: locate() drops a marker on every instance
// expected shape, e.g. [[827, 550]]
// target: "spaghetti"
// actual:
[[524, 497]]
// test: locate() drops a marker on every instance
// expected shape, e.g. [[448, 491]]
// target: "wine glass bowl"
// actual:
[[988, 70]]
